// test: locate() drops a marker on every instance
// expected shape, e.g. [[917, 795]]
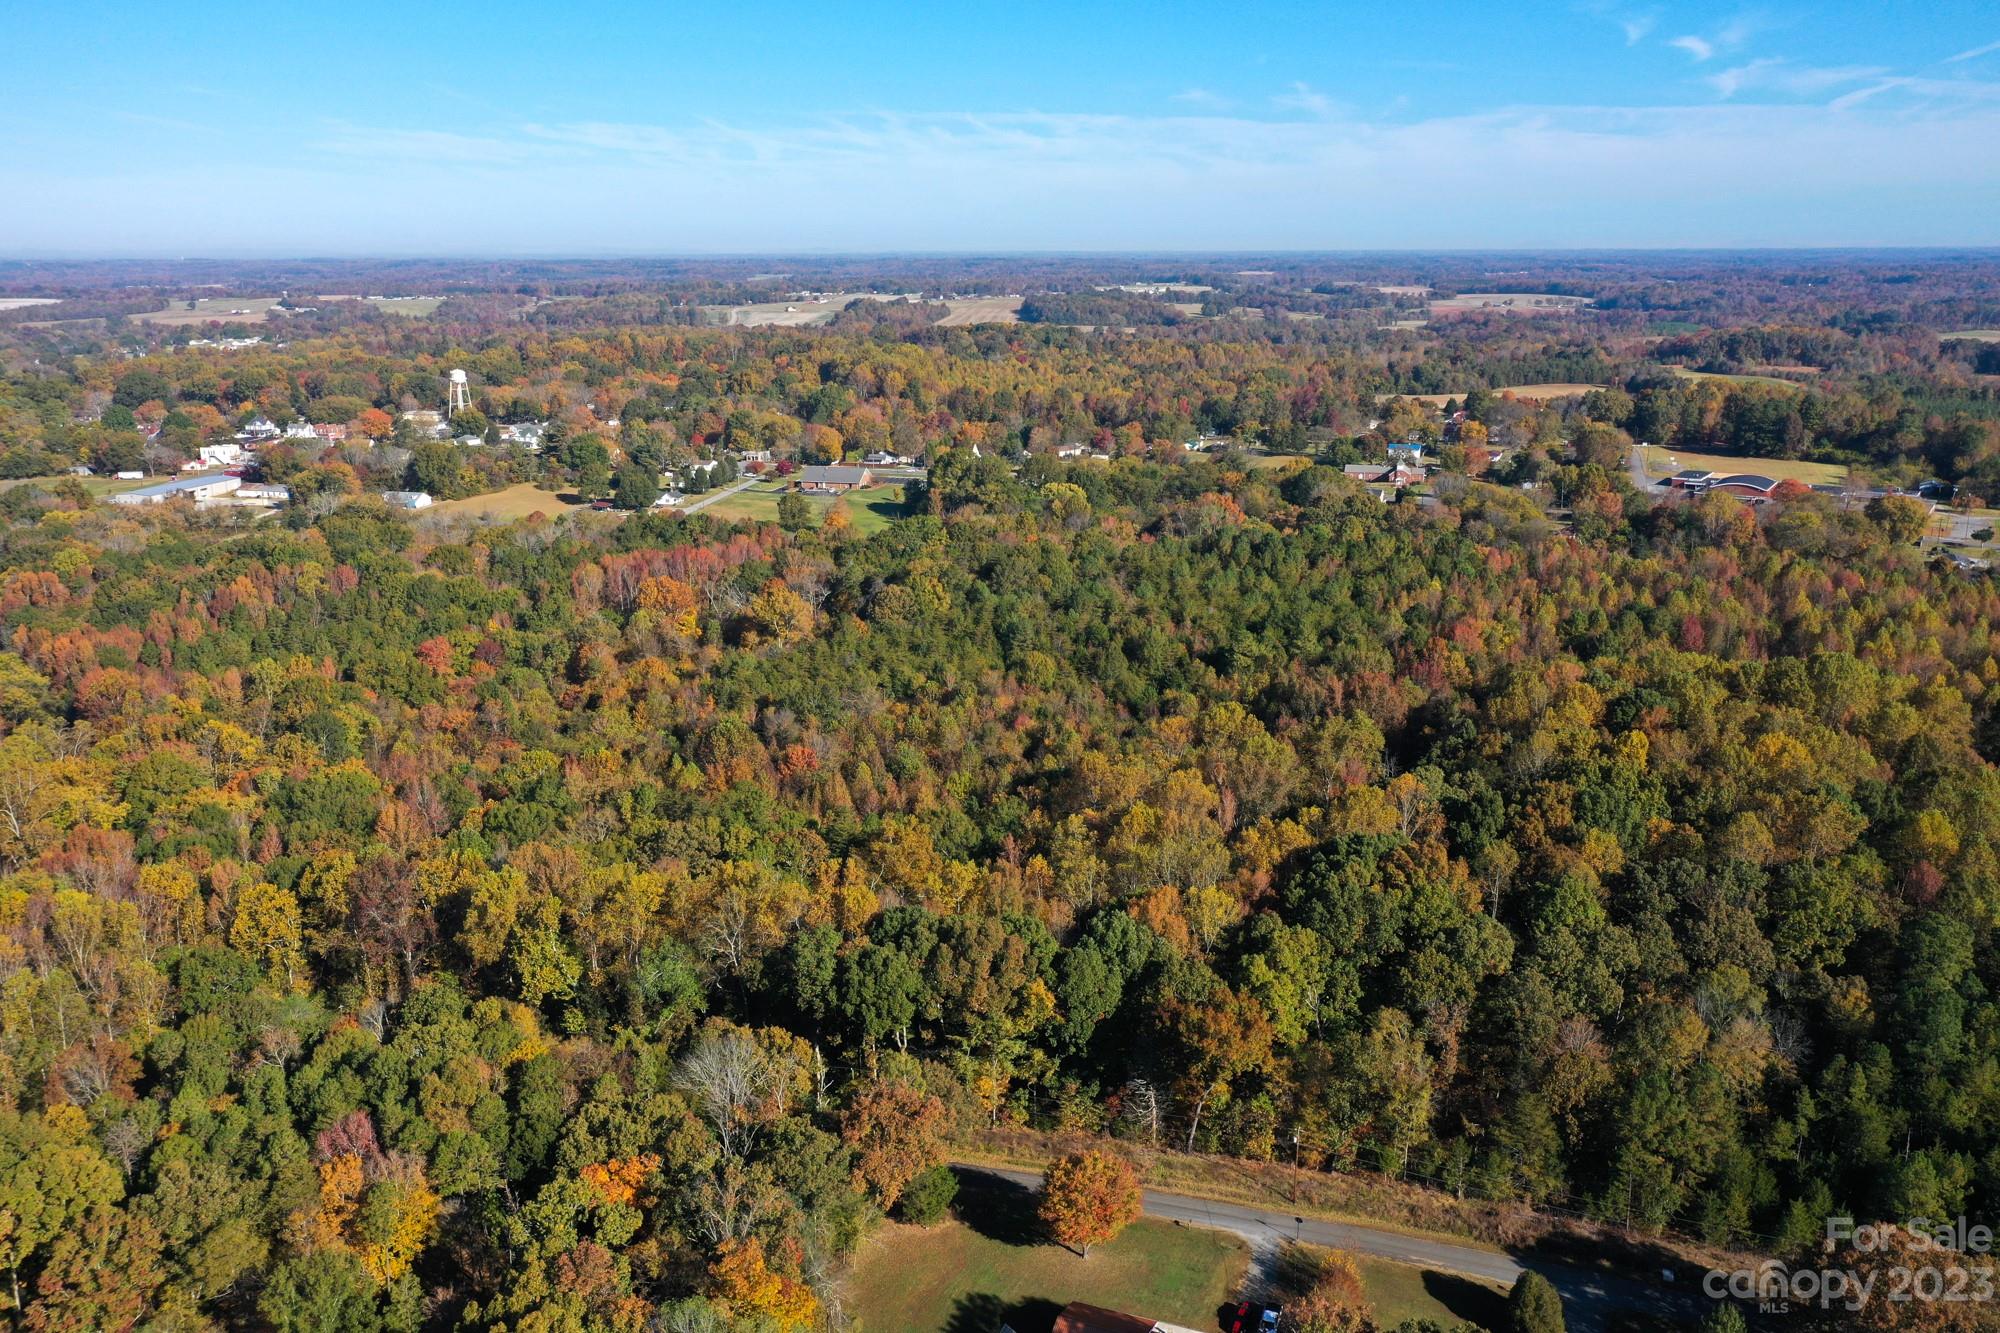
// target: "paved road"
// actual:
[[1588, 1298], [1635, 464], [722, 494]]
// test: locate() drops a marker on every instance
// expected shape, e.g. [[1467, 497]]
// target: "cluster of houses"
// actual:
[[1406, 467]]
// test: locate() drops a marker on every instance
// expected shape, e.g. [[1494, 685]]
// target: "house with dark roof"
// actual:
[[832, 480]]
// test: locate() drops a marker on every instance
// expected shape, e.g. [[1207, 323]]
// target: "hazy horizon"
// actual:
[[794, 129]]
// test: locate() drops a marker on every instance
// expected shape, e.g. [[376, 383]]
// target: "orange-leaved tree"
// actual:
[[1088, 1198]]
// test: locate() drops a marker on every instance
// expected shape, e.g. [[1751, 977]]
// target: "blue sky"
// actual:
[[256, 129]]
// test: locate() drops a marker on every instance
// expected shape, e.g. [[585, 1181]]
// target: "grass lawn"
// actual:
[[971, 1276], [870, 511], [504, 506], [256, 310], [1536, 393], [1398, 1291], [1812, 474], [97, 486], [1687, 374], [415, 306]]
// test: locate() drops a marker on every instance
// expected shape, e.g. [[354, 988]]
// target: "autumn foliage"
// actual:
[[1088, 1198]]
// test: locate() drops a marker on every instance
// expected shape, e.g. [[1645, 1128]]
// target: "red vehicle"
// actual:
[[1251, 1317]]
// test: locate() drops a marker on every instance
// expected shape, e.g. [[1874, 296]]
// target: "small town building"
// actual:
[[198, 489]]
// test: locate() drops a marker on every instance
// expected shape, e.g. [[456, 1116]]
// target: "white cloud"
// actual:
[[1301, 97], [1740, 30], [1201, 97], [1775, 74], [1698, 47], [1637, 26], [1908, 168], [1973, 54], [422, 145]]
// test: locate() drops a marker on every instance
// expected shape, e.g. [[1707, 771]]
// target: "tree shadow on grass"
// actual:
[[1468, 1300], [1290, 1275], [983, 1312], [999, 1210]]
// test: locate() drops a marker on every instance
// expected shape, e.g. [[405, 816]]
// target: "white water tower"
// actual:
[[460, 393]]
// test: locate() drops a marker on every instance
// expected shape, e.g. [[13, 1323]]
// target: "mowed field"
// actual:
[[954, 1277], [1687, 374], [504, 506], [23, 302], [227, 309], [1540, 393], [983, 310], [414, 306], [97, 486], [1518, 303], [869, 511], [1975, 335], [784, 314], [1665, 462]]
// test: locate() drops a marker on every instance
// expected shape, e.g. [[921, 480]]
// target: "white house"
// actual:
[[408, 499], [300, 430], [222, 455]]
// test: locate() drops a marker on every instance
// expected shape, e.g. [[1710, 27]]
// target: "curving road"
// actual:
[[696, 506], [1589, 1299]]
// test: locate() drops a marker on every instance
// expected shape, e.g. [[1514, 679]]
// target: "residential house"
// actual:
[[1394, 475], [832, 480], [430, 423], [260, 428], [222, 455], [408, 499], [332, 432], [300, 430], [263, 493], [1078, 1317]]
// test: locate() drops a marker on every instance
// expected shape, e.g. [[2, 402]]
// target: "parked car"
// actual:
[[1252, 1317]]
